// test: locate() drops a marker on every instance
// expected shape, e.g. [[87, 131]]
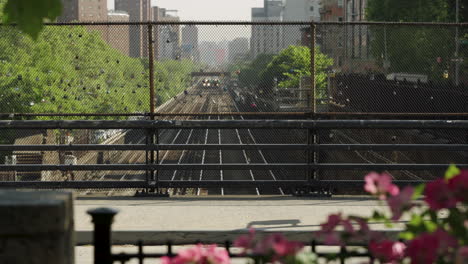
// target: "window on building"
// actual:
[[311, 9], [340, 19], [340, 3]]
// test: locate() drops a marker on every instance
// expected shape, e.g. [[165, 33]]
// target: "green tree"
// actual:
[[249, 75], [414, 49], [30, 14], [72, 69], [293, 63]]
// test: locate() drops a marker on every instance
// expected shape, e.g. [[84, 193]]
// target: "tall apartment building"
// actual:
[[167, 37], [267, 39], [118, 36], [83, 10], [190, 43], [299, 10], [357, 36], [331, 38], [138, 11], [238, 49]]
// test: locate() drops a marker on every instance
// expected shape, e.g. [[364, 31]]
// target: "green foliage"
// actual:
[[451, 172], [72, 70], [415, 49], [287, 67], [30, 14], [293, 63], [250, 73], [416, 11]]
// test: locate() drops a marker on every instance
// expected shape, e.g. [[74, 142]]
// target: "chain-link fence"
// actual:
[[232, 71], [123, 68]]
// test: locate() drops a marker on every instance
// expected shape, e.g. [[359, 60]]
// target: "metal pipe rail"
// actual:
[[228, 166], [316, 147], [237, 124], [152, 125], [188, 184]]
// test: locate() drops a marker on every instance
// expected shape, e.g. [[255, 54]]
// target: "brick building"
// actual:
[[118, 36], [168, 38], [83, 10], [138, 11]]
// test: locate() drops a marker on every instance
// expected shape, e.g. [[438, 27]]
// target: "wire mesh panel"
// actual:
[[73, 69], [395, 68]]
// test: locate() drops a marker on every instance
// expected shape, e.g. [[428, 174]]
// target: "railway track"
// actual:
[[216, 101]]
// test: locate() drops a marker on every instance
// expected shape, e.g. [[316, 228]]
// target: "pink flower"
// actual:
[[459, 186], [380, 184], [200, 254], [387, 251], [245, 241], [439, 195], [428, 246], [401, 202], [333, 221], [189, 255], [423, 249], [165, 260], [283, 247], [446, 241], [217, 255], [462, 255]]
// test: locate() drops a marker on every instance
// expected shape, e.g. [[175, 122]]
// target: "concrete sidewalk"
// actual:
[[186, 218]]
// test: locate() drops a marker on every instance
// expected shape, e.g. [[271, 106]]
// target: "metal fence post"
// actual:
[[102, 219], [312, 134], [152, 93]]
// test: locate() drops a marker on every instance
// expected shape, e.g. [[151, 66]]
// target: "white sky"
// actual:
[[212, 10], [208, 9]]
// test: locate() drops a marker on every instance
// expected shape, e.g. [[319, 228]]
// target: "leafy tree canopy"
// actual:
[[416, 10], [30, 14], [293, 63]]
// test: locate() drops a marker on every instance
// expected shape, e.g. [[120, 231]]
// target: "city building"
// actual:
[[138, 11], [348, 45], [118, 36], [299, 10], [190, 43], [208, 52], [83, 11], [168, 38], [238, 49], [267, 39], [358, 38], [331, 38]]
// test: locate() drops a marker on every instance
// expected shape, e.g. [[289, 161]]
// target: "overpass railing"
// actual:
[[305, 173]]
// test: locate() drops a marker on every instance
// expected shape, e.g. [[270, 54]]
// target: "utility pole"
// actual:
[[457, 46]]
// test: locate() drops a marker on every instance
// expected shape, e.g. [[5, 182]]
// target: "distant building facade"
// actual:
[[190, 43], [238, 49], [168, 37], [208, 52], [138, 11], [118, 37], [267, 39], [299, 10], [83, 11], [358, 38]]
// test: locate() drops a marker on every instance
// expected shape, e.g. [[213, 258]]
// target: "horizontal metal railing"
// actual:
[[312, 126], [237, 124], [316, 147]]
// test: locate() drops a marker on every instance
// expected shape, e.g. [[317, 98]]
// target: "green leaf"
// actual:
[[430, 226], [418, 191], [406, 235], [30, 14], [451, 172]]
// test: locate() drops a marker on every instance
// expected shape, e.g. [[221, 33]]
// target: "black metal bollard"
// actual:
[[102, 219]]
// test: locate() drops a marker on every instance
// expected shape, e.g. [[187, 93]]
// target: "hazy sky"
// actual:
[[208, 9], [212, 10]]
